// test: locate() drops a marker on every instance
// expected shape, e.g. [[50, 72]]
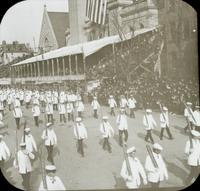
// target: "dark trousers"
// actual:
[[1, 164], [2, 112], [50, 153], [43, 105], [149, 136], [132, 113], [27, 105], [106, 143], [17, 120], [79, 114], [70, 116], [121, 132], [62, 118], [112, 111], [26, 180], [95, 114], [9, 106], [55, 107], [197, 128], [21, 102], [80, 147], [194, 173], [155, 185], [187, 126], [36, 119], [50, 118], [168, 132]]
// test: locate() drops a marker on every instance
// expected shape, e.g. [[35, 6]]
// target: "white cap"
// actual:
[[195, 133], [50, 167], [197, 106], [22, 144], [48, 124], [189, 103], [95, 97], [157, 146], [78, 119], [148, 110], [27, 129], [122, 109], [111, 96], [165, 109], [130, 150], [105, 117], [1, 136]]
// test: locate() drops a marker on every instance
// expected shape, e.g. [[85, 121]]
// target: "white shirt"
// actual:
[[17, 112], [61, 108], [149, 122], [131, 103], [188, 114], [53, 183], [30, 143], [122, 122], [112, 103], [137, 170], [196, 115], [51, 138], [123, 102], [80, 131], [4, 151], [194, 153], [24, 163], [106, 129], [95, 104], [36, 110], [49, 108], [164, 120], [80, 106], [69, 107], [153, 174]]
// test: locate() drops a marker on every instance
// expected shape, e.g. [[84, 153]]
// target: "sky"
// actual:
[[22, 22]]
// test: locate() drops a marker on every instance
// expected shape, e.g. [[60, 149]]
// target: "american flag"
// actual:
[[96, 11]]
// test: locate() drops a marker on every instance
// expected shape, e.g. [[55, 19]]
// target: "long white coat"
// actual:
[[164, 120], [131, 103], [51, 138], [80, 106], [61, 108], [122, 122], [137, 171], [188, 114], [49, 108], [155, 175], [36, 110], [112, 103], [149, 122], [80, 131], [123, 102], [106, 129], [53, 183], [95, 105], [24, 163], [17, 112], [4, 151], [197, 118], [193, 154], [30, 143]]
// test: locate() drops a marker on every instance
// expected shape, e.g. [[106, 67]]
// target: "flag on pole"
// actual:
[[96, 11], [157, 66]]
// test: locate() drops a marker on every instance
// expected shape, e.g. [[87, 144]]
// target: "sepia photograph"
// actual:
[[99, 95]]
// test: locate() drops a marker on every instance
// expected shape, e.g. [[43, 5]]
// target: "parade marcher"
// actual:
[[95, 105], [157, 174], [107, 132], [42, 101], [9, 101], [17, 113], [122, 126], [55, 100], [188, 115], [123, 101], [23, 164], [131, 104], [27, 98], [62, 111], [36, 113], [133, 180], [192, 150], [49, 112], [53, 182], [4, 152], [21, 97], [112, 104], [80, 133], [50, 140], [29, 140], [2, 124], [79, 106], [149, 123], [70, 110], [196, 115], [164, 123]]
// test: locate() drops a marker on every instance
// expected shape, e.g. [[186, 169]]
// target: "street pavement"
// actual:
[[98, 169]]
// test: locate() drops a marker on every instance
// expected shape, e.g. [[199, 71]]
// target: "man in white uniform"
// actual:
[[188, 113], [4, 151], [95, 105], [112, 104], [156, 174], [131, 104], [107, 132], [133, 180], [196, 115], [36, 113]]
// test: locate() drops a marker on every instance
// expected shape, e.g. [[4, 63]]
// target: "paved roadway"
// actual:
[[98, 169]]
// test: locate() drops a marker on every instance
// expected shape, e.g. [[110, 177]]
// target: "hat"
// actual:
[[50, 167], [157, 146], [105, 117], [27, 129], [78, 119], [22, 144], [197, 106], [95, 97], [148, 110], [111, 96], [189, 103], [165, 109], [195, 133], [122, 109], [130, 150], [1, 136], [48, 124]]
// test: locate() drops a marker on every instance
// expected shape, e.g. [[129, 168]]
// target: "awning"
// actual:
[[86, 49]]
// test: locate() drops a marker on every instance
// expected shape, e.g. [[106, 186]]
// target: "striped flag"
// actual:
[[96, 11]]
